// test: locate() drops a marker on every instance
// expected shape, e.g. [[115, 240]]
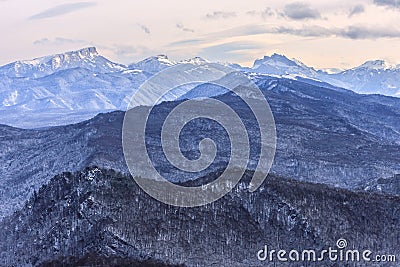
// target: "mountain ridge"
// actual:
[[335, 137], [97, 212], [70, 87], [42, 66]]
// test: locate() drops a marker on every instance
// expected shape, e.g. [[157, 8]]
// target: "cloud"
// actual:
[[245, 30], [266, 13], [182, 27], [144, 28], [59, 41], [300, 11], [125, 50], [187, 42], [351, 32], [357, 9], [42, 41], [359, 32], [252, 12], [388, 3], [127, 53], [305, 31], [220, 15], [62, 10], [236, 51], [231, 47]]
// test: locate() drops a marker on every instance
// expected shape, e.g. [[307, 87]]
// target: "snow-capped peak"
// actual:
[[377, 65], [82, 54], [153, 64], [194, 61], [164, 59], [275, 59], [88, 52], [87, 58], [281, 65]]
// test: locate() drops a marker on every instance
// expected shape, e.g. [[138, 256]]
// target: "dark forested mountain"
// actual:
[[29, 158], [325, 135], [100, 217]]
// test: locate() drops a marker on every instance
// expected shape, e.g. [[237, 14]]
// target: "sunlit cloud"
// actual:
[[62, 10]]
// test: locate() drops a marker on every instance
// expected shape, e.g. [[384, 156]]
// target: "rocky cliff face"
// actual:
[[100, 217]]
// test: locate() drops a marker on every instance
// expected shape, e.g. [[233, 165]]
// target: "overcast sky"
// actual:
[[337, 33]]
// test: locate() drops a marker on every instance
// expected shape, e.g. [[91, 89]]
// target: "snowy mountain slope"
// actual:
[[194, 61], [281, 65], [153, 64], [43, 94], [66, 88], [372, 77], [87, 58], [334, 137], [158, 63], [58, 98]]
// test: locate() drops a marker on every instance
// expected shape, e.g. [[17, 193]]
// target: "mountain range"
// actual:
[[67, 198], [74, 86], [324, 135]]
